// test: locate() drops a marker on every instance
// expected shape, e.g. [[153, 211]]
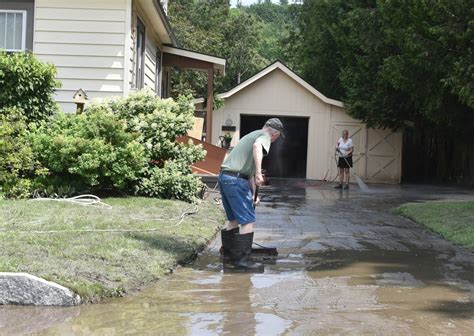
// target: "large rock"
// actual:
[[27, 289]]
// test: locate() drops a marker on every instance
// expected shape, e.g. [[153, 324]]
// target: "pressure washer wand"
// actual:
[[262, 250], [255, 197]]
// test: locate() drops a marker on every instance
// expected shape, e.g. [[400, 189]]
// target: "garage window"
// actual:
[[12, 30]]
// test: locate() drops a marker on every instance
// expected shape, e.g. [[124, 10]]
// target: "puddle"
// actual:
[[269, 324], [204, 324], [401, 279], [260, 281]]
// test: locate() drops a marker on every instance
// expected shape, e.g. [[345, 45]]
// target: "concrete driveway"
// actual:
[[347, 265], [350, 266]]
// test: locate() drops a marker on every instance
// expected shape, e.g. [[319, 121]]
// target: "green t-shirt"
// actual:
[[240, 158]]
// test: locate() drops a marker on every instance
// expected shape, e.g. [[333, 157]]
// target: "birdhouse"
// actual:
[[80, 98]]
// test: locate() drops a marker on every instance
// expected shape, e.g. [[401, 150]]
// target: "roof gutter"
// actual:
[[166, 22]]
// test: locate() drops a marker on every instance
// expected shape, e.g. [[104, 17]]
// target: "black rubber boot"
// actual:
[[227, 237], [241, 249]]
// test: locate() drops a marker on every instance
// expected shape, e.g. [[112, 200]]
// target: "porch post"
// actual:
[[210, 103]]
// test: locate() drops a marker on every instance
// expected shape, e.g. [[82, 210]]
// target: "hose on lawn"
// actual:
[[95, 201]]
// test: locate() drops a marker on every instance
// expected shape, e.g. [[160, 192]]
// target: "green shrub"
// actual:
[[88, 152], [169, 182], [18, 164], [158, 122], [28, 84], [123, 144]]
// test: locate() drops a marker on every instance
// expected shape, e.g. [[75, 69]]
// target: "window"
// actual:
[[12, 30], [158, 72], [140, 58], [165, 84]]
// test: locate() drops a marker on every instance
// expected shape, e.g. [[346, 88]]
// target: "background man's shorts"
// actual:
[[237, 199]]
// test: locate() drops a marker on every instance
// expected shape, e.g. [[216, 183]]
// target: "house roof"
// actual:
[[218, 62], [159, 19], [290, 73]]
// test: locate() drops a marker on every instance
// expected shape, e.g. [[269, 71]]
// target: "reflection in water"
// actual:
[[204, 324], [269, 324], [239, 319], [344, 195], [16, 320]]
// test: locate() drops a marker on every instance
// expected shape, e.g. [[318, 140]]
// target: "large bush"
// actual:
[[89, 151], [28, 84], [18, 164], [125, 145], [158, 122]]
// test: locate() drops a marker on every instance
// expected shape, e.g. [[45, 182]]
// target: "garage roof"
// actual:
[[287, 71]]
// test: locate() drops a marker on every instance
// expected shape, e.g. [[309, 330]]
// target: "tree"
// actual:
[[211, 27], [396, 63], [317, 50], [249, 37], [375, 54], [433, 47], [275, 24], [240, 37]]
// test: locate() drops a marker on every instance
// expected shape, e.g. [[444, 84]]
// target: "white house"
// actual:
[[105, 47], [313, 125]]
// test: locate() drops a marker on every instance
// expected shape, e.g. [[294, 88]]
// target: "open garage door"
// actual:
[[287, 157]]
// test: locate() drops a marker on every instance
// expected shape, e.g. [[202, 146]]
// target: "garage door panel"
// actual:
[[381, 168], [383, 156], [381, 141]]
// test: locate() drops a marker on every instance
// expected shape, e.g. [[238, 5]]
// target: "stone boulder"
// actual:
[[27, 289]]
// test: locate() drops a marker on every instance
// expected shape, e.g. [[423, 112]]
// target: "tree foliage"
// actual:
[[392, 61], [28, 84], [275, 22], [18, 161], [248, 37]]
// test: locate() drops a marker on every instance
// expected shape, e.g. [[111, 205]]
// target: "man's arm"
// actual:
[[257, 157], [253, 186]]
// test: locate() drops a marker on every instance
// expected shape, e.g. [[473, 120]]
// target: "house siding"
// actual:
[[152, 43], [150, 63], [85, 40]]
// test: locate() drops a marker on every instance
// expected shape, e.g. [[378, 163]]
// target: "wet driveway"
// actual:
[[347, 265]]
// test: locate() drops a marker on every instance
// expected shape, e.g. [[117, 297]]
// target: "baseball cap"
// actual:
[[276, 124]]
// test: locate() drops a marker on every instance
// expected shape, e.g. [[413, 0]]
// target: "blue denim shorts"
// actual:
[[237, 199]]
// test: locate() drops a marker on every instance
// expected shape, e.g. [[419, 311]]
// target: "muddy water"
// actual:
[[347, 265]]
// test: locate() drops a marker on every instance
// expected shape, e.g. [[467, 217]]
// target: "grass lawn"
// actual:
[[454, 221], [98, 264]]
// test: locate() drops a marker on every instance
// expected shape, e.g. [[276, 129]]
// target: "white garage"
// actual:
[[313, 124]]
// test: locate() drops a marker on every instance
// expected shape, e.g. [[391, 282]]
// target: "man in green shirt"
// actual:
[[241, 173]]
